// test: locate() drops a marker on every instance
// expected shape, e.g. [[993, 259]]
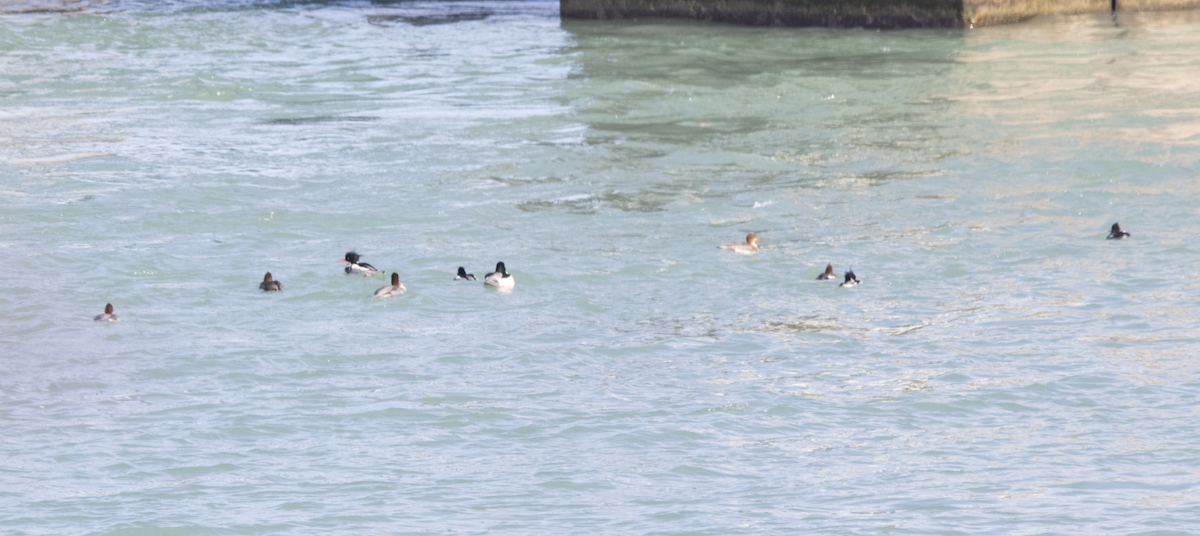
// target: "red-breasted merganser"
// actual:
[[748, 247], [828, 273], [270, 285], [108, 315], [394, 289], [358, 268]]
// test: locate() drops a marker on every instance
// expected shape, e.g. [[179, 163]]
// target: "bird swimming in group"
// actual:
[[463, 275], [851, 280], [358, 268], [1117, 233], [500, 278], [394, 289], [828, 274], [745, 248], [108, 315], [270, 285]]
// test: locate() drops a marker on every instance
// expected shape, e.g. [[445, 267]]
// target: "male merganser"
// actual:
[[828, 273], [358, 268], [394, 289], [500, 278], [463, 275], [108, 315], [747, 248], [1117, 233], [270, 285], [851, 280]]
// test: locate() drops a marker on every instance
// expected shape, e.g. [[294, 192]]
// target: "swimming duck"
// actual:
[[108, 315], [747, 248], [851, 280], [828, 273], [463, 275], [1117, 233], [394, 289], [270, 285], [358, 268], [500, 278]]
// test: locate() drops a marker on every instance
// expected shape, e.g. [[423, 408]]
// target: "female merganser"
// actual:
[[108, 315], [463, 275], [270, 285], [500, 278], [851, 280], [828, 273], [1117, 233], [747, 248], [394, 289], [358, 268]]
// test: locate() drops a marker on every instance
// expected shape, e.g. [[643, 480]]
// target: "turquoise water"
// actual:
[[1002, 370]]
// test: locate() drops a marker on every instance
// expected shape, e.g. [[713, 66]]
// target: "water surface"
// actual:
[[1003, 369]]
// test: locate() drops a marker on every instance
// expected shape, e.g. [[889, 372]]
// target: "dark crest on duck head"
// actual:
[[351, 257], [500, 269]]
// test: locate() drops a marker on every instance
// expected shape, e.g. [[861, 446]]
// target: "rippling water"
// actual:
[[1003, 369]]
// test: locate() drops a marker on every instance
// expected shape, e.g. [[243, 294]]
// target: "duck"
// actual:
[[851, 280], [828, 274], [463, 275], [394, 289], [108, 315], [270, 285], [747, 248], [500, 278], [358, 268], [1117, 233]]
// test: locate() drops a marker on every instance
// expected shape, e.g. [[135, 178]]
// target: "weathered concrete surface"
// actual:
[[854, 13], [987, 12], [865, 13]]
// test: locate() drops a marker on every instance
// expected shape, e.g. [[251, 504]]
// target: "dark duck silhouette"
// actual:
[[1117, 233]]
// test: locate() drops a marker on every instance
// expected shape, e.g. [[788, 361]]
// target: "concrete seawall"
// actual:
[[854, 13]]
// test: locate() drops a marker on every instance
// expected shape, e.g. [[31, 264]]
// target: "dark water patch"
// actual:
[[428, 20], [685, 130], [47, 6], [592, 204], [321, 119]]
